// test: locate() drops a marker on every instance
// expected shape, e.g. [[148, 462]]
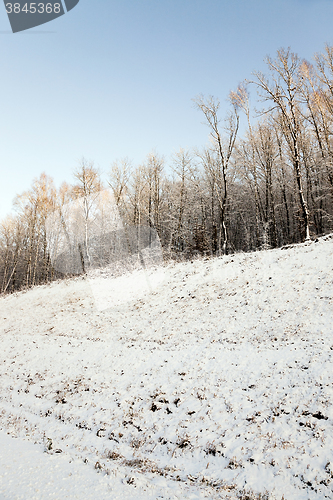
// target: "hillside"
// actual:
[[215, 385]]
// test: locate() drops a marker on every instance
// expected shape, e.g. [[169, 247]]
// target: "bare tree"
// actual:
[[118, 180], [88, 187], [284, 92], [33, 207], [152, 174], [11, 245], [136, 197], [224, 148], [181, 167]]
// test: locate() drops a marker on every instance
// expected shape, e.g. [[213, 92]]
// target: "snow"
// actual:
[[215, 382]]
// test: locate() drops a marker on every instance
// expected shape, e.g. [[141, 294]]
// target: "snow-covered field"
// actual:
[[218, 384]]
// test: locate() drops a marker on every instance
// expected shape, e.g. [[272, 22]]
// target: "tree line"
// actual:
[[272, 186]]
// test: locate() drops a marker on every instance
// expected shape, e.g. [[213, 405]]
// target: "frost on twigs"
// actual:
[[88, 237]]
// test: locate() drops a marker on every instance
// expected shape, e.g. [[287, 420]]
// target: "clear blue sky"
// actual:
[[115, 78]]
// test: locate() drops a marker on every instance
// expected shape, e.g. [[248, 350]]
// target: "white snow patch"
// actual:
[[216, 383]]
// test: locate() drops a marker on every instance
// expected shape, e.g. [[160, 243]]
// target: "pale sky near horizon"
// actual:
[[112, 79]]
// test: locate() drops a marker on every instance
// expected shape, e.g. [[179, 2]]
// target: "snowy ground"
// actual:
[[215, 385]]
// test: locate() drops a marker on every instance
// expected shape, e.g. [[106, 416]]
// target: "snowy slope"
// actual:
[[219, 382]]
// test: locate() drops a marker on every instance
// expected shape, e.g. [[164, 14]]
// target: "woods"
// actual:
[[272, 186]]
